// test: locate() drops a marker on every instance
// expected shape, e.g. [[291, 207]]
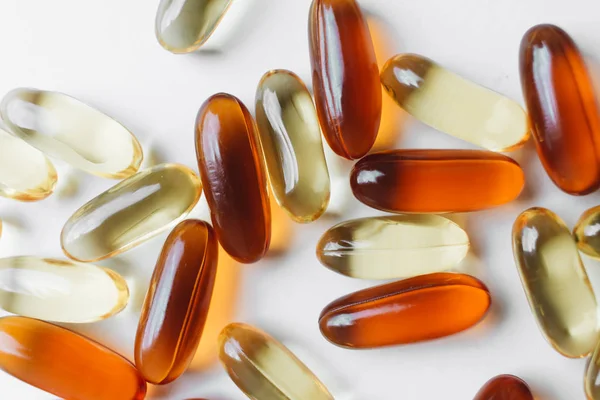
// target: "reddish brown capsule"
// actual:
[[505, 387]]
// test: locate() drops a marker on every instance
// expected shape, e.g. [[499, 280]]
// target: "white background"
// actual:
[[105, 53]]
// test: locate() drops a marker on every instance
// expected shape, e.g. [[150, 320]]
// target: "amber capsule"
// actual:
[[587, 232], [436, 181], [345, 76], [505, 387], [232, 170], [555, 282], [177, 302], [420, 308], [64, 363]]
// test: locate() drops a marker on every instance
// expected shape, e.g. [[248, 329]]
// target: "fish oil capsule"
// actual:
[[263, 368], [65, 128], [64, 363], [562, 107], [421, 308], [131, 212], [555, 282], [345, 76], [505, 387], [436, 181], [587, 232], [393, 246], [454, 105], [234, 177], [290, 136], [176, 305]]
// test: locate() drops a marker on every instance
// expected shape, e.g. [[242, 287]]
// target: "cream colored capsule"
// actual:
[[131, 212], [587, 232], [65, 128]]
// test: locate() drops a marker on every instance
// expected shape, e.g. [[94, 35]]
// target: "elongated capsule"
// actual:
[[436, 181], [64, 363], [421, 308], [592, 375], [263, 368], [555, 282], [390, 247], [587, 232], [505, 387], [177, 302], [290, 136], [63, 127], [131, 212]]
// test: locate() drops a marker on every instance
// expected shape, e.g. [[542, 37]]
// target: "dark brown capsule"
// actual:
[[505, 387]]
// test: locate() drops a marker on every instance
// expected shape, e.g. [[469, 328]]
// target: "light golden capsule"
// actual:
[[587, 232], [131, 212], [555, 282], [65, 128], [592, 375]]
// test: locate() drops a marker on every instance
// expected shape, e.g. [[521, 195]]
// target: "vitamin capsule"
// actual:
[[393, 247], [263, 368], [505, 387], [562, 107], [131, 212], [587, 232], [234, 178], [436, 181], [592, 375], [176, 305], [64, 363], [420, 308], [454, 105], [290, 136], [345, 76], [65, 128], [555, 282]]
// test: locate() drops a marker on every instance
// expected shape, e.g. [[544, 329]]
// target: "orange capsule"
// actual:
[[177, 302], [345, 76], [505, 387], [436, 181], [233, 175], [412, 310], [64, 363]]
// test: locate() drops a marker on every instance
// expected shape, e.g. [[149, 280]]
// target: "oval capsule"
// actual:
[[587, 232], [505, 387], [555, 282], [390, 247], [63, 127], [131, 212], [421, 308]]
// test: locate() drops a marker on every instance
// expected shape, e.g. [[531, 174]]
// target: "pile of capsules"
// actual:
[[235, 155]]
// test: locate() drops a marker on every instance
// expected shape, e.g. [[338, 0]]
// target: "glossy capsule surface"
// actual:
[[64, 363], [436, 181], [407, 311], [131, 212], [555, 282], [454, 105], [177, 302], [505, 387], [559, 94], [263, 368], [290, 137], [587, 232], [63, 127], [234, 178], [393, 246], [345, 76]]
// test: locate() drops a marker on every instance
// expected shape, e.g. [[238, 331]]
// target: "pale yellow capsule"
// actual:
[[587, 232], [131, 212], [63, 127], [592, 375]]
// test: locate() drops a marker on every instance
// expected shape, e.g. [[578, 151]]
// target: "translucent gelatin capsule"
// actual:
[[587, 232], [505, 387], [393, 246], [555, 282], [420, 308], [436, 181], [291, 141], [64, 363], [131, 212], [263, 368]]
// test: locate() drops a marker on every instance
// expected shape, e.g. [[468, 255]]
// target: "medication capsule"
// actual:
[[412, 310], [393, 246], [436, 181], [587, 232], [592, 375], [562, 107], [345, 76], [131, 212], [233, 174], [555, 282], [176, 305], [505, 387], [263, 368], [290, 136], [64, 363], [65, 128]]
